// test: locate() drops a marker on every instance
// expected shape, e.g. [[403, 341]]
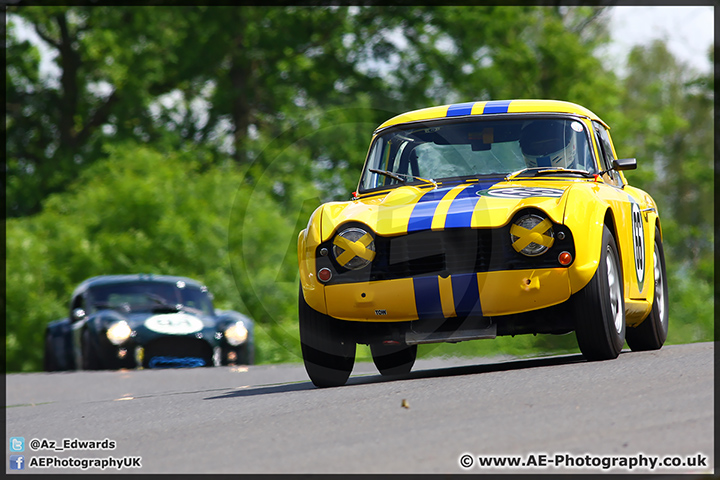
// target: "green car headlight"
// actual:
[[532, 235], [236, 333], [118, 332], [354, 248]]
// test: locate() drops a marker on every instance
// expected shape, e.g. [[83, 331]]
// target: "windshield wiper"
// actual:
[[398, 176], [125, 307], [571, 171], [162, 303], [522, 171], [548, 171]]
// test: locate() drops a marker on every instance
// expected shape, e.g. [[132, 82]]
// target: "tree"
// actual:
[[209, 72], [112, 63], [140, 72]]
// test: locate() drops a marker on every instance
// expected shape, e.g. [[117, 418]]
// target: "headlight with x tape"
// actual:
[[532, 235], [354, 248]]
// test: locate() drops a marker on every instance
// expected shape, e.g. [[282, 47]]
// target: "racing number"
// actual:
[[174, 322], [638, 244]]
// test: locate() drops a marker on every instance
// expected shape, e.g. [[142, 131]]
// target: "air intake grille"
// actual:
[[446, 252]]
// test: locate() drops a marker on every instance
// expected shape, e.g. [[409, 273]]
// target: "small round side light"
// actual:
[[324, 274], [565, 258]]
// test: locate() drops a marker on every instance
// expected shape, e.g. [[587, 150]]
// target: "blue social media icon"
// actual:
[[17, 462], [17, 444]]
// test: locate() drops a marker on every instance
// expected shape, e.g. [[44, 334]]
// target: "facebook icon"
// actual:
[[17, 462]]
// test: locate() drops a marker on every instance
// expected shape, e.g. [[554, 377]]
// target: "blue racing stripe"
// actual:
[[497, 106], [460, 109], [461, 210], [427, 297], [466, 294], [424, 210]]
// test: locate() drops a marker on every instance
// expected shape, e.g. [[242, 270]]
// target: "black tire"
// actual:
[[90, 358], [652, 332], [50, 363], [328, 353], [599, 308], [245, 355], [393, 359]]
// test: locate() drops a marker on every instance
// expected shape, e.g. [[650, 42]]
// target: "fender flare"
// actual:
[[308, 241], [587, 227], [61, 328]]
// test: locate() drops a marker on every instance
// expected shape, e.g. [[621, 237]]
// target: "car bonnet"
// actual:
[[478, 204]]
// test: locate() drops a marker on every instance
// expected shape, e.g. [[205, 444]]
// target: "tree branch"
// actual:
[[45, 37], [99, 117]]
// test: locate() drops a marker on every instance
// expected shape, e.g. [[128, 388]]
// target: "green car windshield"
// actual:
[[147, 296], [468, 148]]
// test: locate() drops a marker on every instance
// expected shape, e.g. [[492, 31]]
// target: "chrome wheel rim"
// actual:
[[659, 286], [615, 292]]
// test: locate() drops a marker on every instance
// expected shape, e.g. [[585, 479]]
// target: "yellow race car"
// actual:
[[481, 219]]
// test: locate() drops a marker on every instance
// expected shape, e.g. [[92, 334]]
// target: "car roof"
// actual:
[[491, 107], [137, 277]]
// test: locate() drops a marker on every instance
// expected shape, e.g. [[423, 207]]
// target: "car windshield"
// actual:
[[149, 296], [443, 150]]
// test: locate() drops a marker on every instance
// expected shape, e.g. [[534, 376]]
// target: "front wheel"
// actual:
[[599, 308], [652, 332], [50, 363], [90, 359], [328, 353], [242, 355], [393, 359]]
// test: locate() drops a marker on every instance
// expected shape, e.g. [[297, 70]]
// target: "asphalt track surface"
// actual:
[[271, 419]]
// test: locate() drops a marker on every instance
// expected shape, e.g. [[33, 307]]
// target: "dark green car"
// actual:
[[150, 321]]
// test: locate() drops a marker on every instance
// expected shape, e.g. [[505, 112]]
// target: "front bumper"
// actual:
[[481, 294]]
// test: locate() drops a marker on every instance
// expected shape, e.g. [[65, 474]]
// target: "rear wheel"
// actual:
[[599, 308], [393, 359], [652, 332], [328, 353]]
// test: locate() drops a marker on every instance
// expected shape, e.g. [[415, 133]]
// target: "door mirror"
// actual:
[[624, 164], [78, 314]]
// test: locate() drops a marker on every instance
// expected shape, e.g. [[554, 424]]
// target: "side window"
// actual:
[[606, 153]]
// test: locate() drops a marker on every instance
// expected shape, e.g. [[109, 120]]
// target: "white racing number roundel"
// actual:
[[638, 243], [523, 192], [174, 324]]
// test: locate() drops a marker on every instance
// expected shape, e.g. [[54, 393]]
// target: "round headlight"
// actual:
[[354, 248], [532, 235], [118, 332], [236, 334]]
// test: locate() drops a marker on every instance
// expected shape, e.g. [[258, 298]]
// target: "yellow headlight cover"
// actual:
[[532, 235]]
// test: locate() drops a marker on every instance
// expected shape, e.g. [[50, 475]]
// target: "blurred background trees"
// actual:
[[197, 141]]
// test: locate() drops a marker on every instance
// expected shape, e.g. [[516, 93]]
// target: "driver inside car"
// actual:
[[549, 144]]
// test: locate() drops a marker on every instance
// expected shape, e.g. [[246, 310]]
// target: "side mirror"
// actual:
[[624, 164], [78, 314]]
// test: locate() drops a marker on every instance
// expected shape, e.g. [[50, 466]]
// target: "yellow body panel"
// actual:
[[499, 293]]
